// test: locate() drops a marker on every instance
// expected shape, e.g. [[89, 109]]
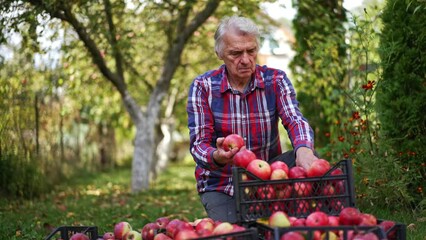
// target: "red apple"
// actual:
[[121, 228], [292, 219], [333, 220], [162, 236], [388, 227], [299, 207], [366, 236], [223, 228], [328, 190], [368, 219], [283, 191], [79, 236], [149, 230], [349, 216], [233, 141], [260, 169], [108, 236], [205, 225], [292, 236], [300, 222], [265, 192], [280, 165], [296, 172], [172, 227], [185, 234], [162, 222], [318, 168], [278, 174], [243, 157], [317, 219], [303, 189], [279, 219], [132, 235]]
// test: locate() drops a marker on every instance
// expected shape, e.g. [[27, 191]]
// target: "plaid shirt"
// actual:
[[216, 110]]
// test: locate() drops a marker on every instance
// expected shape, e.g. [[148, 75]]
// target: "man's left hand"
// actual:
[[304, 157]]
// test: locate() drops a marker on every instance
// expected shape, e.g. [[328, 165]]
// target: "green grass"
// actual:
[[105, 199]]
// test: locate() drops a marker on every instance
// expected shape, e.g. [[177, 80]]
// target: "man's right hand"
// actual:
[[221, 156]]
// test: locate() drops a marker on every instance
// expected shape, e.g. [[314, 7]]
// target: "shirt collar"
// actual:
[[257, 83]]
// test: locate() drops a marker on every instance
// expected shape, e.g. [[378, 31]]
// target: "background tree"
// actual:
[[319, 78], [129, 44], [401, 97]]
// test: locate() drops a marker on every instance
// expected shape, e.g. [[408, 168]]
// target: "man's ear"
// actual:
[[218, 55]]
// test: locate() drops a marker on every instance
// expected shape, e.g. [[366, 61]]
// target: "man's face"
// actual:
[[239, 55]]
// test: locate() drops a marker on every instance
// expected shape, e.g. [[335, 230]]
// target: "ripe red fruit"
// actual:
[[233, 141], [243, 157], [368, 219], [280, 165], [387, 225], [292, 236], [317, 219], [350, 216], [121, 228], [278, 174], [260, 169], [108, 236], [148, 231], [296, 172], [318, 168], [162, 222], [303, 189], [79, 236]]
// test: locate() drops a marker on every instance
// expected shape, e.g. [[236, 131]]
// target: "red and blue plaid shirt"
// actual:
[[216, 110]]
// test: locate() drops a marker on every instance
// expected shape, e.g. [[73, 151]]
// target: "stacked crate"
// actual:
[[257, 199]]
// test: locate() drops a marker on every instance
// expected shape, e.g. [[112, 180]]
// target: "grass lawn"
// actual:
[[105, 199]]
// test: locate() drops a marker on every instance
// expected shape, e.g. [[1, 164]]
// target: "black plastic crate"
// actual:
[[397, 232], [249, 234], [343, 232], [65, 232], [256, 198]]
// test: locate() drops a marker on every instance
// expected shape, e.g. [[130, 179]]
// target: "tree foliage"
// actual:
[[401, 98], [147, 51], [318, 67]]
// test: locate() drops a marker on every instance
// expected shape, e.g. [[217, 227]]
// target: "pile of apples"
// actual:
[[279, 170], [245, 158], [349, 216], [164, 228]]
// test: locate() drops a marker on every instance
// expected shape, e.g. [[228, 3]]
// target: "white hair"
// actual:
[[238, 24]]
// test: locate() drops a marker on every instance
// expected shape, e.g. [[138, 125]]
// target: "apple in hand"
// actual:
[[317, 219], [318, 168], [279, 219], [349, 216], [243, 157], [121, 228], [79, 236], [233, 141], [260, 169], [133, 235]]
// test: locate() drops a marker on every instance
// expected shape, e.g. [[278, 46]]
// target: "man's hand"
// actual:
[[304, 157], [221, 156]]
